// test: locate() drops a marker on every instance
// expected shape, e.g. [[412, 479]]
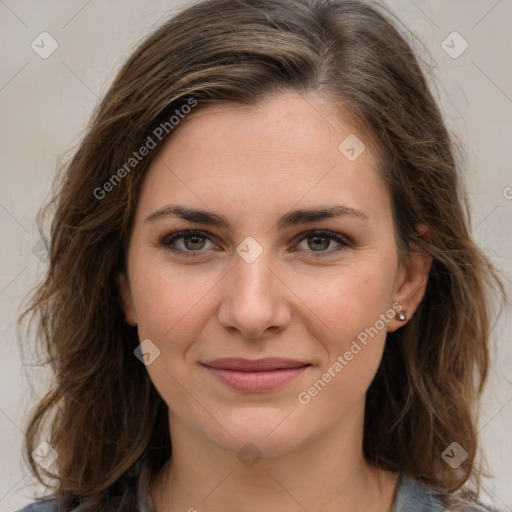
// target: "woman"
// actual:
[[262, 292]]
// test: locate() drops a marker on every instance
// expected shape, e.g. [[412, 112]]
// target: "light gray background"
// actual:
[[46, 103]]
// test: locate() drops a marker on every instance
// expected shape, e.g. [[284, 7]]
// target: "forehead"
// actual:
[[285, 149], [282, 122]]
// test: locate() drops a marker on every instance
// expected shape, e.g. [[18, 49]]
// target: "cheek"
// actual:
[[352, 309], [349, 299], [353, 334], [169, 299]]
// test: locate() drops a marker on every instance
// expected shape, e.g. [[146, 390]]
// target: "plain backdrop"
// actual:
[[45, 104]]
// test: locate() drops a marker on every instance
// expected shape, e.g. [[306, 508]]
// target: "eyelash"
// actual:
[[170, 238]]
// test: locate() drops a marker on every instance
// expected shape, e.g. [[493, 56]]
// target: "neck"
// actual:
[[327, 475]]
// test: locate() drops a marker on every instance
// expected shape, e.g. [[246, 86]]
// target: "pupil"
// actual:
[[319, 237], [193, 237]]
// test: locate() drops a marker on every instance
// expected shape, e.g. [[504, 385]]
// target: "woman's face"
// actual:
[[254, 281]]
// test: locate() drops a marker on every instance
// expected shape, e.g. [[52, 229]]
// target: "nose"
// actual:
[[255, 300]]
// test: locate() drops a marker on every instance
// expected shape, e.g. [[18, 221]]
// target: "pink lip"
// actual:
[[255, 375]]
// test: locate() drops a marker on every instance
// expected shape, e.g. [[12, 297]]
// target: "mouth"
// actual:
[[252, 376]]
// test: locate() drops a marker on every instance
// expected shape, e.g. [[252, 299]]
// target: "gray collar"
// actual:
[[413, 496]]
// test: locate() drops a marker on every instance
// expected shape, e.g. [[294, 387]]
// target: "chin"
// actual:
[[273, 432]]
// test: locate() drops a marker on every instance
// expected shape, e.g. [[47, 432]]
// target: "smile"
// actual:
[[255, 376]]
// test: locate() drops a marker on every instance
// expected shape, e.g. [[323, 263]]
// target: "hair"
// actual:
[[104, 416]]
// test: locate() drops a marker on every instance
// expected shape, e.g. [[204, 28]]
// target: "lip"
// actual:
[[259, 375]]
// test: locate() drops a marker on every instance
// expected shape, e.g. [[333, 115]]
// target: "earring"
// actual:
[[400, 315], [136, 323]]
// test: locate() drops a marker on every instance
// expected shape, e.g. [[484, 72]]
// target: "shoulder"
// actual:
[[414, 496], [45, 505]]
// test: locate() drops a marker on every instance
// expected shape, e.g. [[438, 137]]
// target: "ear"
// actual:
[[411, 280], [125, 297]]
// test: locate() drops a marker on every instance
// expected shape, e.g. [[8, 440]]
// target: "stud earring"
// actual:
[[400, 315]]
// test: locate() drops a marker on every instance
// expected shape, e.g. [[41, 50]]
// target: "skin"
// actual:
[[253, 164]]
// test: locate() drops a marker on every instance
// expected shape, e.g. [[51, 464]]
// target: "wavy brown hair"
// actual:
[[102, 414]]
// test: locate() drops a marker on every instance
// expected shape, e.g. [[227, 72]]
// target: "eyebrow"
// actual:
[[288, 219]]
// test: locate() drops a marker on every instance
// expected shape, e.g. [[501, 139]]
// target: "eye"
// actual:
[[191, 242], [319, 241]]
